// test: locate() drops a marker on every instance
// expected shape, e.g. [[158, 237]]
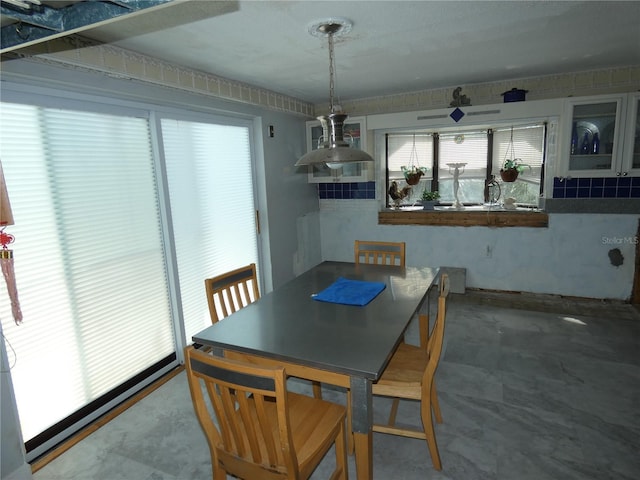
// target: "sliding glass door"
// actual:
[[119, 217], [211, 188]]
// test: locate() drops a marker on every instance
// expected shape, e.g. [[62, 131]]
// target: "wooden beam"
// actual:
[[465, 218]]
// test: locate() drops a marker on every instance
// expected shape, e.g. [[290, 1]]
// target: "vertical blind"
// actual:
[[89, 258], [212, 207]]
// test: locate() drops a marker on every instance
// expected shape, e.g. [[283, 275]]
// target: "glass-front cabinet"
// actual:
[[600, 137], [592, 136], [632, 134], [355, 131]]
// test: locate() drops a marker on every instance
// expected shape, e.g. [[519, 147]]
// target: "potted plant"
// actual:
[[413, 173], [429, 199], [511, 169]]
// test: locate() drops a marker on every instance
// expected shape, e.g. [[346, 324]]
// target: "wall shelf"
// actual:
[[464, 218]]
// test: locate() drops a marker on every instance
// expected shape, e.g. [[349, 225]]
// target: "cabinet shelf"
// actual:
[[597, 115]]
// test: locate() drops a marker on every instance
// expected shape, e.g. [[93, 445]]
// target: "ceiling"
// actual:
[[393, 46]]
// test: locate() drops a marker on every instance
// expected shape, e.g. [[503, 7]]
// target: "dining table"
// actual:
[[334, 343]]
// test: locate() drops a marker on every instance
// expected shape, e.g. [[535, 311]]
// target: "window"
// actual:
[[470, 150], [528, 145], [479, 155]]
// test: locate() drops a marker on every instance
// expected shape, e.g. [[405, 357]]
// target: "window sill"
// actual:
[[465, 218]]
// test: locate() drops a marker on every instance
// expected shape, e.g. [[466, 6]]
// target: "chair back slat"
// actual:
[[269, 441], [241, 396], [231, 291], [380, 253], [436, 338]]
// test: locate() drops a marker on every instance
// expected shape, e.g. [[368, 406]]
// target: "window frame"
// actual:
[[549, 124]]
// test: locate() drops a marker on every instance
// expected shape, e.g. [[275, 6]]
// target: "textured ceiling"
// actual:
[[394, 46]]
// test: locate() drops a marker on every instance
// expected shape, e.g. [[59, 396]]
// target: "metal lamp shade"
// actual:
[[334, 149]]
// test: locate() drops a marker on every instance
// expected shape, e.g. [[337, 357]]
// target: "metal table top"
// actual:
[[287, 324]]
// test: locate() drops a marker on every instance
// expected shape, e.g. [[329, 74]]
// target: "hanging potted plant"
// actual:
[[429, 199], [413, 172], [511, 167]]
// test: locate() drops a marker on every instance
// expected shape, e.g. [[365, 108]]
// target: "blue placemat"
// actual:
[[350, 292]]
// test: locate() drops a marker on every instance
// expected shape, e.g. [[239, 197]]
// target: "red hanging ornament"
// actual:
[[6, 255]]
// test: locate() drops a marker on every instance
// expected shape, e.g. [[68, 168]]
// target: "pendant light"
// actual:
[[334, 150]]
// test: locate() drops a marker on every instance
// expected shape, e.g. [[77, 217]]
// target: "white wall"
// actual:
[[570, 257], [13, 465]]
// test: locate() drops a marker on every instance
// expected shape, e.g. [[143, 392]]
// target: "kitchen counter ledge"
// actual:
[[465, 218]]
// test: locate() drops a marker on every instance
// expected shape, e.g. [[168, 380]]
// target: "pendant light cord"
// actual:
[[513, 151], [331, 74]]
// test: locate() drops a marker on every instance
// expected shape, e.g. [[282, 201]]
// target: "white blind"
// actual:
[[464, 147], [400, 152], [210, 180], [528, 145], [89, 258]]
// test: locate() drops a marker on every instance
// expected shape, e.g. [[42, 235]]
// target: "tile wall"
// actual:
[[597, 187], [347, 191]]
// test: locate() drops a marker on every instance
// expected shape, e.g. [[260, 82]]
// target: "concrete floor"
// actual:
[[550, 392]]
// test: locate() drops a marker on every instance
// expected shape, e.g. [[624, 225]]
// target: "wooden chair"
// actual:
[[380, 253], [410, 375], [255, 428], [229, 292]]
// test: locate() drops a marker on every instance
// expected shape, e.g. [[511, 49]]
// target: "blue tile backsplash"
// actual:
[[347, 191], [597, 187]]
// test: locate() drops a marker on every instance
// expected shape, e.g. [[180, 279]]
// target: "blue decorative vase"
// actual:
[[574, 139], [586, 144], [595, 145]]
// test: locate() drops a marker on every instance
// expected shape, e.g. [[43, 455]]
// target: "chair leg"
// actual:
[[341, 456], [350, 443], [219, 473], [427, 424], [317, 390], [435, 403], [394, 411]]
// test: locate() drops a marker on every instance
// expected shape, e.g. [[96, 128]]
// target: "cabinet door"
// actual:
[[592, 136], [355, 134], [631, 165]]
